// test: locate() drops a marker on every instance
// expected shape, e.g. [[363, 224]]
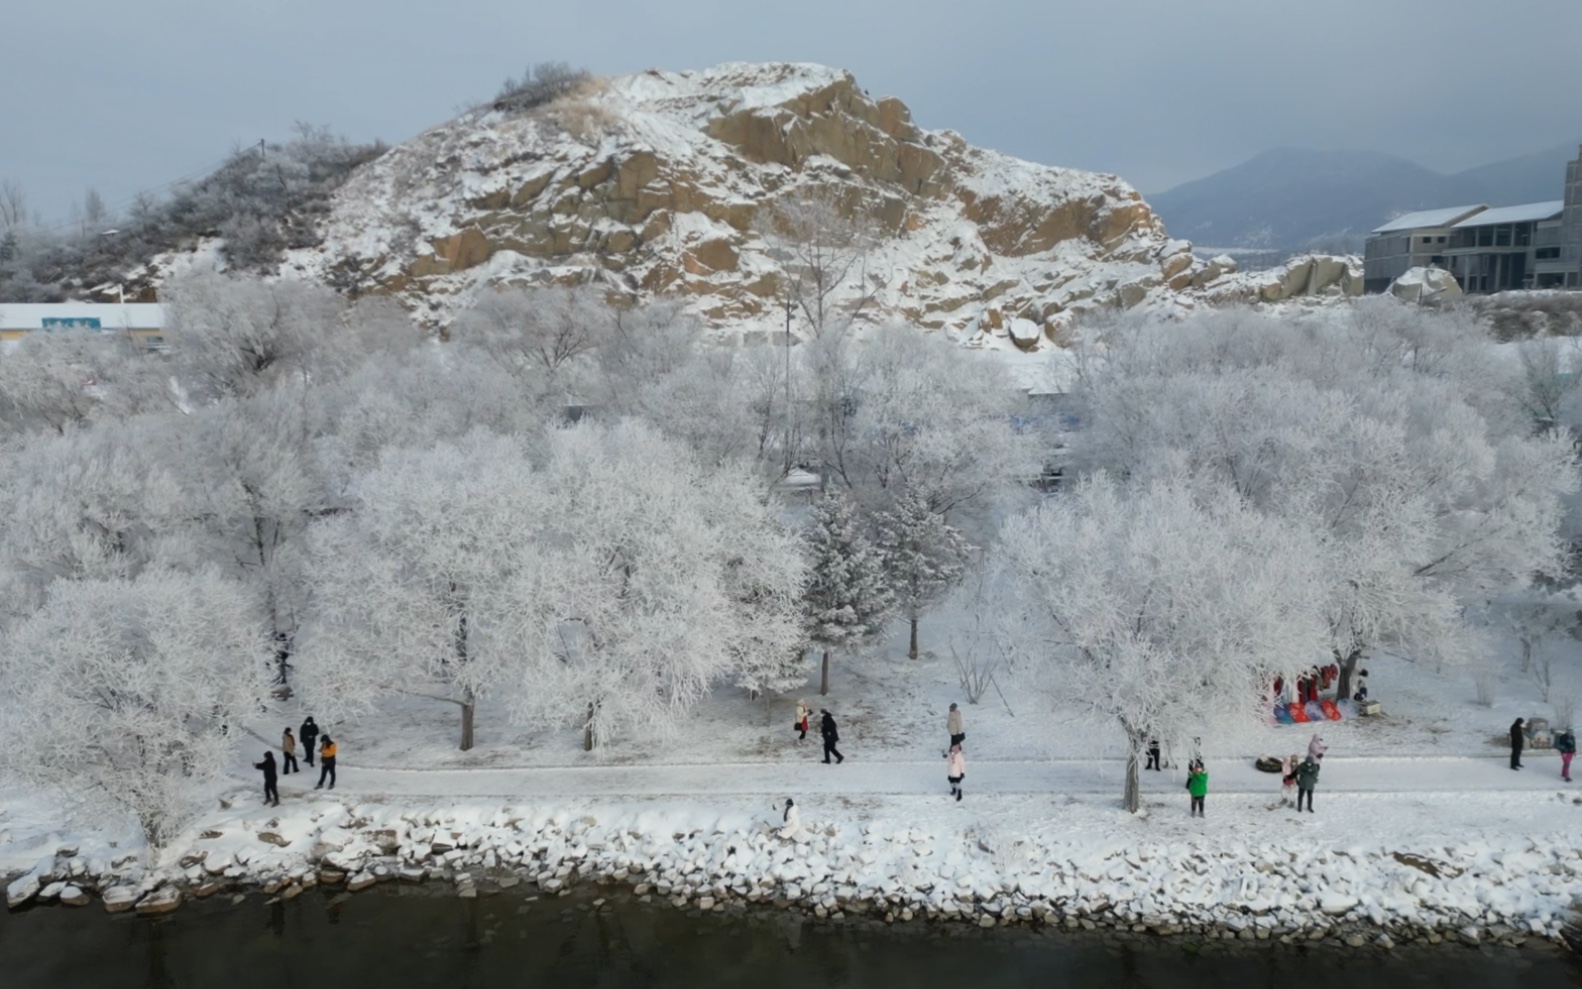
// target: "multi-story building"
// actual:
[[1412, 240], [1535, 245], [1566, 269], [1497, 250]]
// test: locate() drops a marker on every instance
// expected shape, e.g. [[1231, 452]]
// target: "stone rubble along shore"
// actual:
[[1510, 896]]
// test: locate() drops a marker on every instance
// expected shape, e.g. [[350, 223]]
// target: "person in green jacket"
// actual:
[[1197, 786], [1306, 780]]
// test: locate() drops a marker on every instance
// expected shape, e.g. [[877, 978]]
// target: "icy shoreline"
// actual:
[[1480, 891]]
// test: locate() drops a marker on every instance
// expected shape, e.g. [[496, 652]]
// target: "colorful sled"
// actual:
[[1297, 714], [1282, 713], [1330, 710]]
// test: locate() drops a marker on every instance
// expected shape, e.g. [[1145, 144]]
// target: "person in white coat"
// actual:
[[1316, 748], [791, 828], [955, 769]]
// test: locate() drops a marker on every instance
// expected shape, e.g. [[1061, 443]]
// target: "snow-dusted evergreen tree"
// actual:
[[121, 691], [847, 601], [1155, 611], [924, 557]]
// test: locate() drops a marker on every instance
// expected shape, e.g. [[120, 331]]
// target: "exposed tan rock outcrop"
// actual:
[[663, 188]]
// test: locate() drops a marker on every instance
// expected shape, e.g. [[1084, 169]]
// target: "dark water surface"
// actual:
[[404, 936]]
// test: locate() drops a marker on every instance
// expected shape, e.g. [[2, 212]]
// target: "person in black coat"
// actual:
[[826, 728], [308, 736], [271, 789], [1517, 737]]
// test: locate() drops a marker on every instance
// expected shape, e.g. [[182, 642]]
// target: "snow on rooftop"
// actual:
[[111, 315], [1524, 213], [1443, 217]]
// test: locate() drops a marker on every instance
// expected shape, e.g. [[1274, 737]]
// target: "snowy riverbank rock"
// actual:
[[22, 890]]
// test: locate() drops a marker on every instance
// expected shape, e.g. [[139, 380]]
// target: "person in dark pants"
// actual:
[[1306, 780], [1517, 738], [288, 754], [1153, 755], [327, 762], [958, 734], [1197, 788], [831, 735], [309, 735], [271, 788]]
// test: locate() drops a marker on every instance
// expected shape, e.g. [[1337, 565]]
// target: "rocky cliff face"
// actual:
[[655, 184]]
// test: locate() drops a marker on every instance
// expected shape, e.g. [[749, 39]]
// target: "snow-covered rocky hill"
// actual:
[[658, 183]]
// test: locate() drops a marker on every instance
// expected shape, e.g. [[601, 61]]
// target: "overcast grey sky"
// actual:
[[125, 96]]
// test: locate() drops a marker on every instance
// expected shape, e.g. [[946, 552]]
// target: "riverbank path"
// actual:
[[888, 776]]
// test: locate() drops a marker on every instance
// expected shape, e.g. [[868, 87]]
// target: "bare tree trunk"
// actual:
[[468, 705], [1348, 665], [823, 684], [587, 731], [1133, 798], [912, 653]]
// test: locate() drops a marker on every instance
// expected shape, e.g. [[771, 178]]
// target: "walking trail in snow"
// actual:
[[1361, 774]]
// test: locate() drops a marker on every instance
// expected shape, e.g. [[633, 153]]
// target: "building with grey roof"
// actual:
[[1532, 245], [1412, 240]]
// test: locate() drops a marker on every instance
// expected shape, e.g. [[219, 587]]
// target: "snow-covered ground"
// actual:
[[1419, 825]]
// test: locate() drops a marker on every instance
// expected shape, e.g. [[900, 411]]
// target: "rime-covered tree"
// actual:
[[251, 484], [925, 557], [1157, 611], [121, 691], [601, 576], [847, 601], [233, 336], [1414, 465], [58, 381]]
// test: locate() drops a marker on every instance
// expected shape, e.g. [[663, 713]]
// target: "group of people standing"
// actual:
[[1565, 744], [1300, 775], [309, 734]]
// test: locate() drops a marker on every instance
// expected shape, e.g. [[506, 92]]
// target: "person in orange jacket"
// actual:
[[327, 761]]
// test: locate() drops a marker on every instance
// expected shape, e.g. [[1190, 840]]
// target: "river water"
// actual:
[[394, 937]]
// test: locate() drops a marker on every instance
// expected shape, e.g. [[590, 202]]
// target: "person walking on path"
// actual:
[[1306, 780], [327, 761], [953, 725], [309, 736], [831, 735], [803, 713], [271, 782], [1517, 738], [955, 768], [1197, 786], [1566, 745], [288, 754], [1316, 748], [1153, 755]]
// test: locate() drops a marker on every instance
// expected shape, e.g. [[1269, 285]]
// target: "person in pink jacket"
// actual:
[[955, 769]]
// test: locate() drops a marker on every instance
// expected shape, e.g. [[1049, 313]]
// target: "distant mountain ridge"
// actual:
[[1297, 198]]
